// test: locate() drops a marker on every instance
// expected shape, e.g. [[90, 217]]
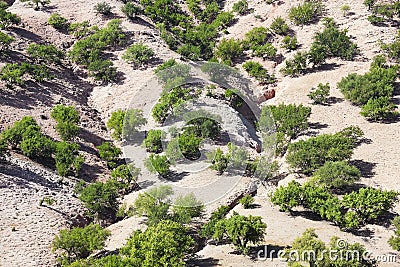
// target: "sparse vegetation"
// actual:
[[58, 22], [103, 8], [320, 94], [279, 26], [138, 54], [257, 71], [241, 7], [306, 13]]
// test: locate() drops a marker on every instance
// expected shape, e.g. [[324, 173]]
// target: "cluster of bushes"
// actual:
[[89, 51], [372, 90], [306, 13], [331, 42], [131, 10], [382, 12], [47, 54], [26, 136], [393, 49], [7, 18], [352, 211], [313, 251], [15, 73], [394, 241]]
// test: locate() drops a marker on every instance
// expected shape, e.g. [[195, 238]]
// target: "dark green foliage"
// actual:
[[116, 124], [153, 141], [241, 7], [109, 153], [229, 50], [369, 3], [169, 101], [67, 118], [67, 158], [138, 54], [279, 26], [296, 66], [125, 124], [287, 197], [256, 37], [246, 201], [157, 164], [337, 174], [257, 71], [308, 155], [208, 229], [165, 11], [78, 243], [164, 244], [219, 160], [58, 22], [393, 49], [13, 134], [394, 241], [7, 18], [131, 10], [306, 13], [289, 43], [126, 176], [100, 199], [14, 73], [380, 108], [378, 82], [173, 151], [37, 3], [241, 231], [103, 8], [320, 94], [82, 29], [189, 145], [5, 41], [332, 42], [204, 127], [48, 54]]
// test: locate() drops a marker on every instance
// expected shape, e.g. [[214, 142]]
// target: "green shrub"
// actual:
[[126, 176], [67, 158], [158, 164], [138, 54], [289, 43], [247, 201], [218, 159], [58, 22], [5, 41], [229, 50], [186, 208], [153, 141], [35, 145], [345, 9], [204, 127], [45, 53], [131, 10], [100, 199], [337, 174], [393, 49], [12, 135], [103, 70], [169, 101], [12, 74], [265, 51], [67, 118], [109, 153], [279, 26], [297, 65], [306, 13], [103, 8], [257, 36], [7, 18], [78, 243], [241, 7], [189, 145], [320, 94], [394, 241], [125, 124], [380, 108], [116, 124], [257, 71]]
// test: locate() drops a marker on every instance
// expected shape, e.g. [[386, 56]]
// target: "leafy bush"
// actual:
[[7, 18], [218, 159], [79, 243], [308, 155], [131, 10], [257, 71], [257, 36], [241, 231], [169, 101], [394, 241], [289, 43], [126, 176], [5, 41], [229, 50], [345, 9], [204, 127], [100, 199], [306, 13], [320, 94], [67, 158], [153, 141], [125, 124], [12, 135], [45, 53], [297, 65], [246, 201], [138, 54], [158, 164], [265, 51], [35, 145], [393, 49], [103, 8], [337, 174], [279, 26], [164, 244], [58, 22], [109, 153], [378, 82], [189, 145], [186, 208], [12, 73], [380, 108], [241, 7], [66, 117]]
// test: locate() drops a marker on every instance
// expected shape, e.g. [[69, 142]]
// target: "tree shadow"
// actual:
[[175, 176], [317, 125], [333, 100], [307, 214], [90, 173], [202, 262], [365, 167], [362, 232], [28, 35]]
